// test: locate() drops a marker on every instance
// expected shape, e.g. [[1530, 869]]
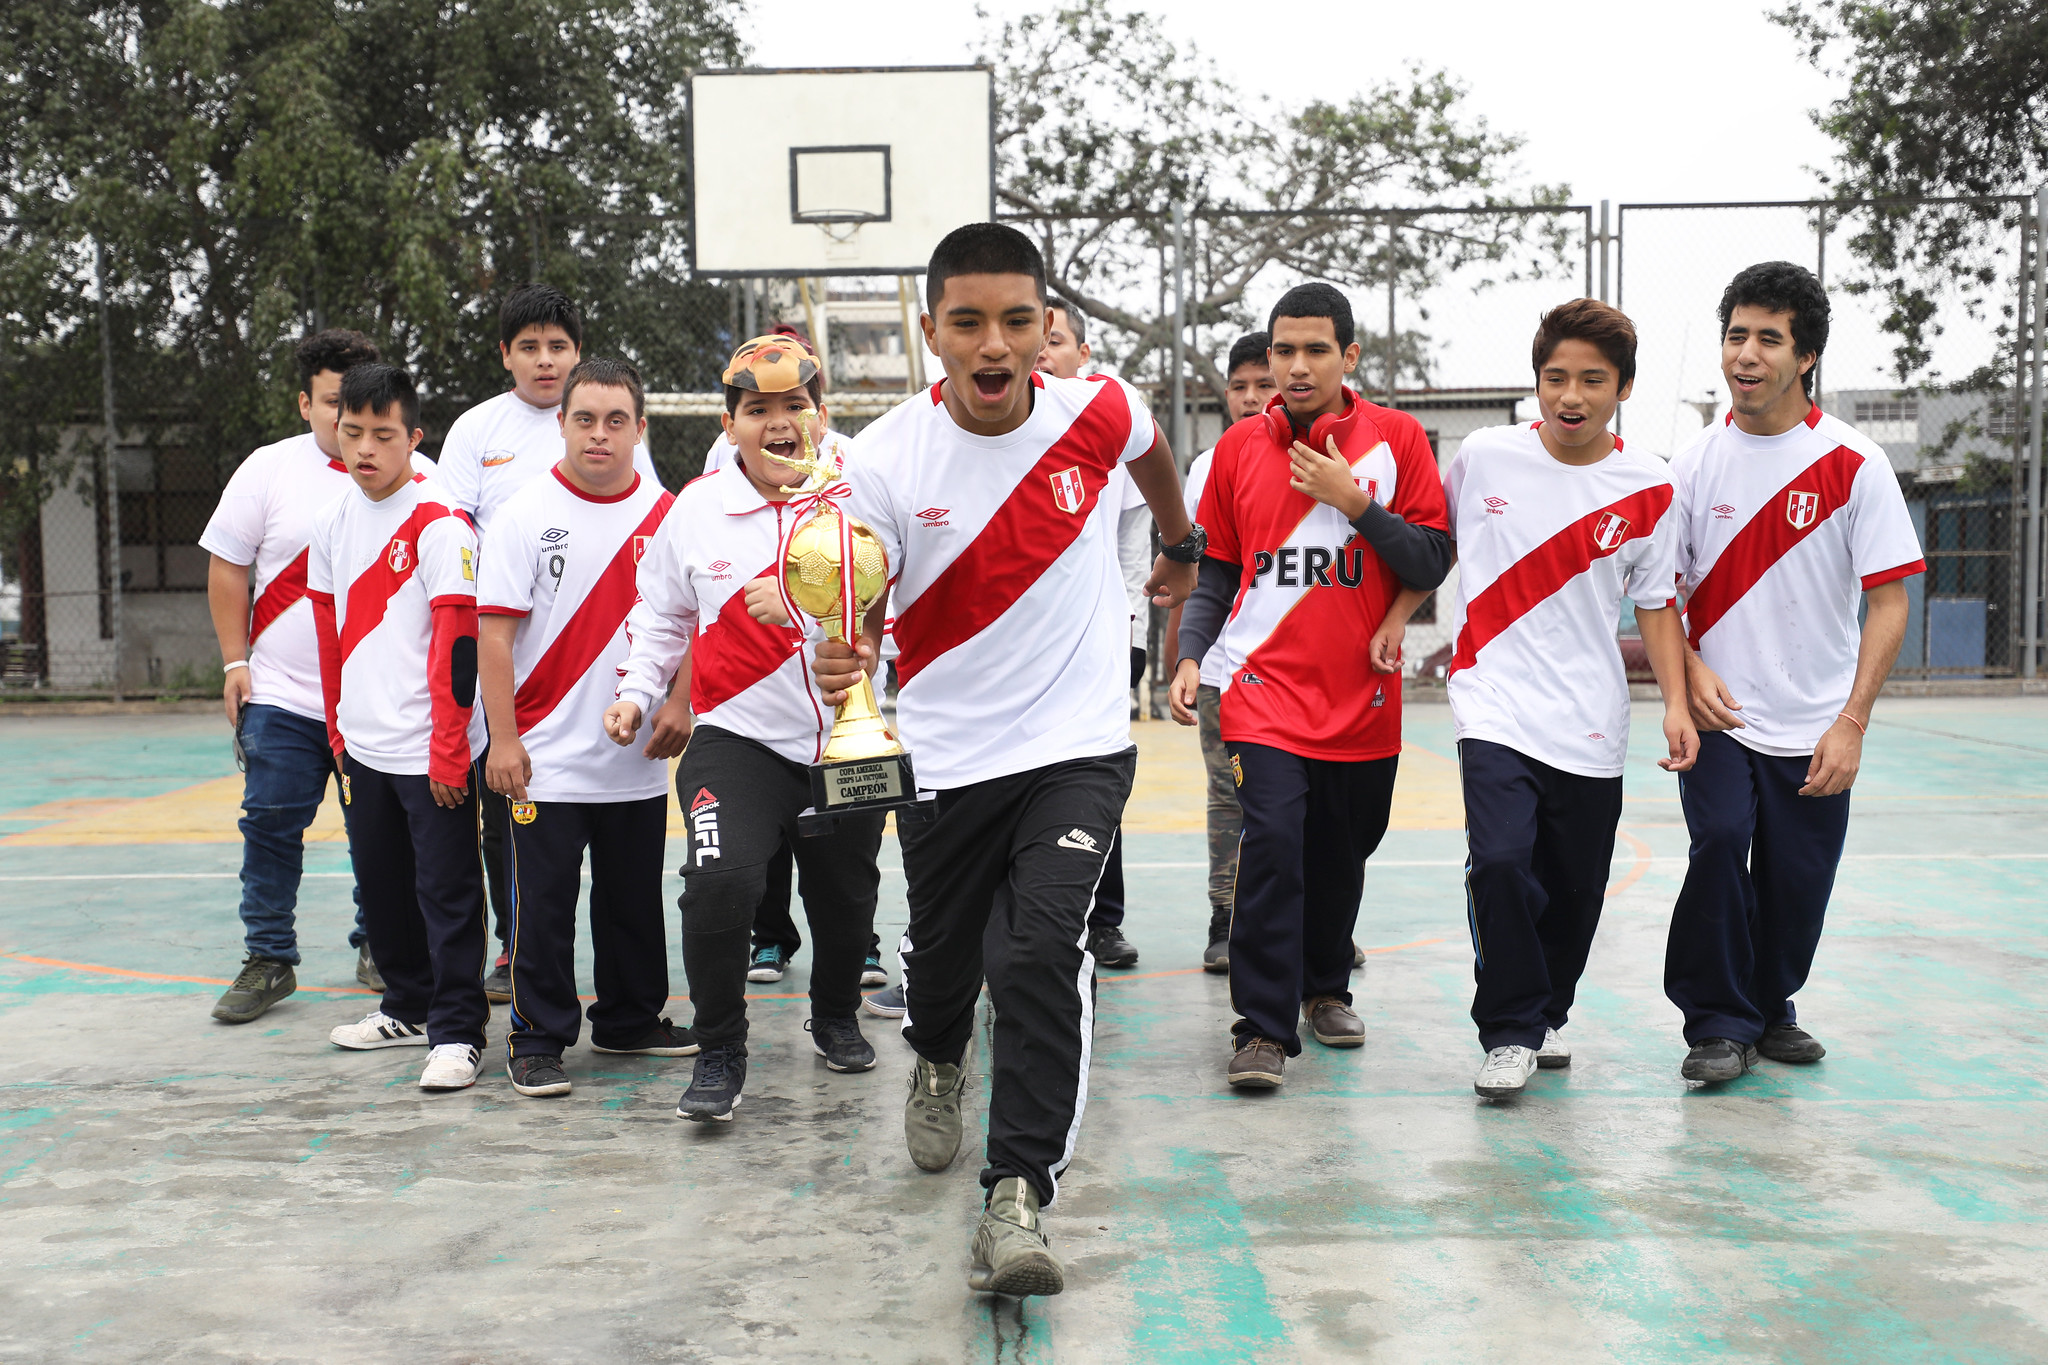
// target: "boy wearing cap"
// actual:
[[707, 588]]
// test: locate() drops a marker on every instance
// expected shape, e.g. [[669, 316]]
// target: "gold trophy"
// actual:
[[831, 562]]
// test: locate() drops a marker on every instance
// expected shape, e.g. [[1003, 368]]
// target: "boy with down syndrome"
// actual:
[[708, 588]]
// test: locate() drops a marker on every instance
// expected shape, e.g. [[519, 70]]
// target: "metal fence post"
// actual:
[[109, 518], [1177, 426], [1604, 240], [2032, 565], [1820, 273]]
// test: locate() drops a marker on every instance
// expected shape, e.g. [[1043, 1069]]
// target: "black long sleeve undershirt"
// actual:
[[1208, 607], [1420, 556]]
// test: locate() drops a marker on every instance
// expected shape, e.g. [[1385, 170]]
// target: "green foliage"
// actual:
[[1945, 98], [1104, 124]]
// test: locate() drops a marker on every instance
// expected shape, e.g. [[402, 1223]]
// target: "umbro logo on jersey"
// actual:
[[1596, 735], [399, 556], [1081, 839], [1610, 531], [1723, 512], [1497, 507], [553, 534], [1068, 492], [1801, 509], [934, 516]]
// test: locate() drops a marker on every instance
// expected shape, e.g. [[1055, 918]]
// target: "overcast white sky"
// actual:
[[1669, 100]]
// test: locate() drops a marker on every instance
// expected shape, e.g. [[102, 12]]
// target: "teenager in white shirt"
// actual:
[[257, 540], [391, 573], [708, 587], [1557, 525], [1789, 520], [552, 600], [1014, 703]]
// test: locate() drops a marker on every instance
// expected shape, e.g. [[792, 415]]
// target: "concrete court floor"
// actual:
[[172, 1189]]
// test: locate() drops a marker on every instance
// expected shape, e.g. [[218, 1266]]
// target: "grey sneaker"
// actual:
[[1011, 1253], [932, 1119], [1715, 1060], [262, 982], [888, 1004], [366, 970], [1790, 1043]]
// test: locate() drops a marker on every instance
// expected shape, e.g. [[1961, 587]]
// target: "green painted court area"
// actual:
[[175, 1189]]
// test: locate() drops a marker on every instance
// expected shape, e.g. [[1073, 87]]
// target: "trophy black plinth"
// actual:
[[854, 785]]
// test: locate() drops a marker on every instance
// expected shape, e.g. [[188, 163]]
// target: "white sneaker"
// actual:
[[453, 1066], [378, 1029], [1507, 1070], [1553, 1054]]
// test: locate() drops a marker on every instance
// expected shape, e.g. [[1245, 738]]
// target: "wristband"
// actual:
[[239, 663], [1861, 728]]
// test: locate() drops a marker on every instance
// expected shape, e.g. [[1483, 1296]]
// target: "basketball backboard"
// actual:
[[836, 171]]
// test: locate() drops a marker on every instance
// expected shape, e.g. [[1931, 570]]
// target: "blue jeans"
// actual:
[[289, 766]]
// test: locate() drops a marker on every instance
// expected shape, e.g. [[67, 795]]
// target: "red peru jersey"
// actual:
[[393, 586], [1296, 675]]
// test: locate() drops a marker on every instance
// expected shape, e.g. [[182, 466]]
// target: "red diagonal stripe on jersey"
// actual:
[[583, 637], [280, 595], [1020, 542], [372, 591], [1547, 568], [735, 651], [1767, 537]]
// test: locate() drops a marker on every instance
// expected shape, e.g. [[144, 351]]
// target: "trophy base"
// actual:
[[866, 784]]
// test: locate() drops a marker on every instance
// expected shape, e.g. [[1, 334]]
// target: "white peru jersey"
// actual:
[[384, 567], [1546, 553], [746, 676], [565, 563], [501, 445], [265, 522], [1191, 493], [1779, 538], [1009, 612]]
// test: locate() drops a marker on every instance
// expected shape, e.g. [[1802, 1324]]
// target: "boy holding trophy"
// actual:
[[708, 587]]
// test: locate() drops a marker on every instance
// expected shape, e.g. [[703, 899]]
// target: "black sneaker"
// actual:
[[840, 1043], [1357, 957], [663, 1040], [538, 1075], [715, 1088], [498, 985], [872, 972], [262, 982], [1216, 957], [1112, 949], [366, 970], [1790, 1043], [1715, 1060]]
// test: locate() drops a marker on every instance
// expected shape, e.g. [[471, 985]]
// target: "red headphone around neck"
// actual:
[[1281, 427]]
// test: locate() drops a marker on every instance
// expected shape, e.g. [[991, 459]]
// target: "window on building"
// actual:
[[167, 494], [1889, 421]]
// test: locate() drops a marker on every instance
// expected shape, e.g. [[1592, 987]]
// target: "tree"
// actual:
[[1945, 98], [1104, 125]]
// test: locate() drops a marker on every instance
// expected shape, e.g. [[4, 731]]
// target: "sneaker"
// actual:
[[366, 970], [840, 1043], [889, 1004], [451, 1066], [539, 1075], [1112, 949], [715, 1085], [1216, 957], [1553, 1054], [1011, 1254], [1714, 1060], [1781, 1043], [1506, 1072], [262, 982], [1257, 1064], [378, 1029], [932, 1118], [769, 964], [661, 1040], [498, 985], [1357, 957], [1333, 1023], [871, 973]]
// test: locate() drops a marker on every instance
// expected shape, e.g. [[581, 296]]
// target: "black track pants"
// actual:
[[423, 900], [1309, 826], [1001, 883], [630, 966], [741, 799], [494, 812], [1539, 843]]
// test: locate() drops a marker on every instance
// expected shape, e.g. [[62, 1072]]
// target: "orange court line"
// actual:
[[1634, 874]]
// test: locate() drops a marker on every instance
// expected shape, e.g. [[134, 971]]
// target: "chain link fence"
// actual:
[[102, 582]]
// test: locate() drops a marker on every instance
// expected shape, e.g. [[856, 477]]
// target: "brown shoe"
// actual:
[[1333, 1023], [1257, 1064]]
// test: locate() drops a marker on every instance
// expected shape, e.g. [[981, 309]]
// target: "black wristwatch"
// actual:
[[1189, 551]]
